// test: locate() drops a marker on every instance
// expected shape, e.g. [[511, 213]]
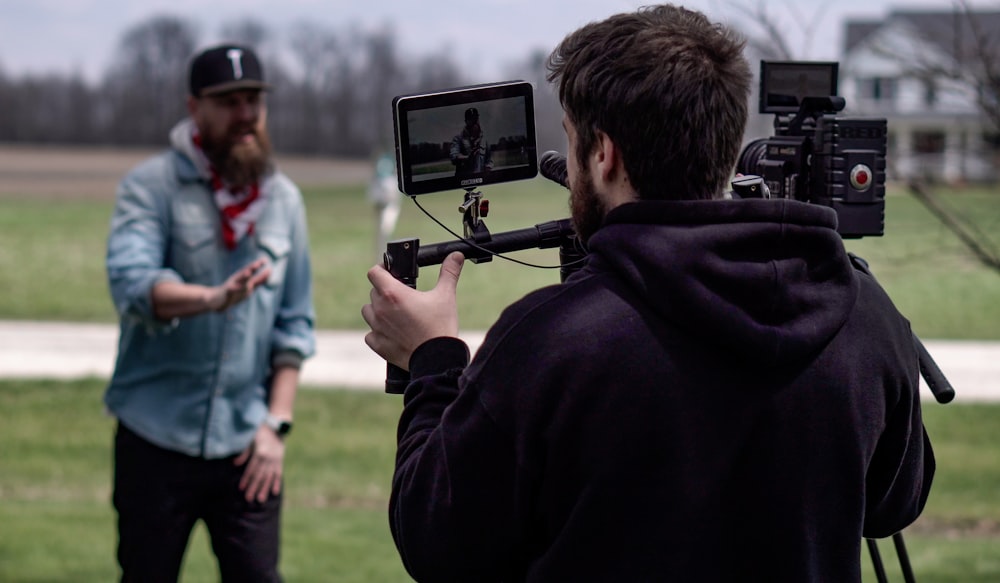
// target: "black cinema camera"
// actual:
[[815, 155]]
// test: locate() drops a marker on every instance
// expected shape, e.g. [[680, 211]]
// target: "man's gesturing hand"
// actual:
[[239, 286], [402, 318]]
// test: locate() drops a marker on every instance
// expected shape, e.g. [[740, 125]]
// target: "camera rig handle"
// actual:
[[404, 258]]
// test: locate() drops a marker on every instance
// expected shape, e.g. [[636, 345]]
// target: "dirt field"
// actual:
[[59, 172]]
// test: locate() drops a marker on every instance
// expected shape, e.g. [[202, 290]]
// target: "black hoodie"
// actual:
[[716, 396]]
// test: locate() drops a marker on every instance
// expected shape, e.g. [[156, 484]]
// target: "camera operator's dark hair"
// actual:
[[668, 86]]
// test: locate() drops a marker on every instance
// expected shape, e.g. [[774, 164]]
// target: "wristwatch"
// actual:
[[280, 426]]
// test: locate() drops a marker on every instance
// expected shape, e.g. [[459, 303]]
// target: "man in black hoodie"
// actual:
[[716, 396]]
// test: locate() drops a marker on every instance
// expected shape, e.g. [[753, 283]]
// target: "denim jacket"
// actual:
[[199, 385]]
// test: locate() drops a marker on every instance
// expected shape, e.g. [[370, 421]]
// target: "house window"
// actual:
[[930, 92], [928, 142], [878, 88], [992, 141]]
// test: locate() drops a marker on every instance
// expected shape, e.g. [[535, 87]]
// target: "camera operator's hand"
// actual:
[[402, 318]]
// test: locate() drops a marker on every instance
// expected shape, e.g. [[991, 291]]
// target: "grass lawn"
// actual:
[[55, 473], [52, 257], [58, 525], [55, 446]]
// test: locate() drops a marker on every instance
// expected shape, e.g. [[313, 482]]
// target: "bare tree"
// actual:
[[964, 228], [435, 71], [7, 116], [318, 59], [969, 59], [246, 32], [770, 29], [148, 80], [549, 133], [768, 32], [965, 57], [383, 80], [985, 76], [332, 88]]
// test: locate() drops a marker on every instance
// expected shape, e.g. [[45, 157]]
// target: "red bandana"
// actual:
[[239, 209], [234, 208]]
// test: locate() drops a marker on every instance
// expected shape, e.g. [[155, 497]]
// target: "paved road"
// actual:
[[67, 351]]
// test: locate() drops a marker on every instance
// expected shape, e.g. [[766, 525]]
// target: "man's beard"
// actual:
[[241, 163], [586, 207]]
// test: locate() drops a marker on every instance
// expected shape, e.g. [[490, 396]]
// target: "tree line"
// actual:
[[333, 86], [333, 89]]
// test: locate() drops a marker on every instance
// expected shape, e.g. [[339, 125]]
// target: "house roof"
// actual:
[[950, 30]]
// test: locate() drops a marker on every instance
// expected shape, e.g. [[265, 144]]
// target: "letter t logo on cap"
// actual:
[[236, 58]]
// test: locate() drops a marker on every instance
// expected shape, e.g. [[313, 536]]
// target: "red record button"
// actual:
[[861, 177]]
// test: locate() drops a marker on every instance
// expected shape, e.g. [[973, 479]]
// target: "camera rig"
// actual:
[[404, 257], [815, 155]]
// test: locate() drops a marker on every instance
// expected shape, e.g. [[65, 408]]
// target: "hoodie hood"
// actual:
[[181, 140], [766, 279]]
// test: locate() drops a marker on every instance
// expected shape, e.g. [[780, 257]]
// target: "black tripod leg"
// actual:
[[904, 558], [876, 561]]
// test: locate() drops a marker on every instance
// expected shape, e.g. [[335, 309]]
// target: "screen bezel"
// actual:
[[825, 71], [469, 96]]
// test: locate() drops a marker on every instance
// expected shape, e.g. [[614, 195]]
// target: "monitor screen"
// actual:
[[465, 138], [783, 84]]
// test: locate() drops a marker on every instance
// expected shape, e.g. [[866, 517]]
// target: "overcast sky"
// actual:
[[45, 36]]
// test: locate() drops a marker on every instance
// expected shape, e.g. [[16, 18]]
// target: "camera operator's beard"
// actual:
[[586, 207], [240, 162]]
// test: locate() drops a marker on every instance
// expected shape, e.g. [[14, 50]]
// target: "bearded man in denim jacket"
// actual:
[[209, 270]]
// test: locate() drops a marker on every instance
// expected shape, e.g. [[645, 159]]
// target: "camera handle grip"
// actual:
[[404, 257], [400, 260]]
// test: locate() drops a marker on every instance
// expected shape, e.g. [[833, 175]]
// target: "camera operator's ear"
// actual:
[[602, 158], [610, 175]]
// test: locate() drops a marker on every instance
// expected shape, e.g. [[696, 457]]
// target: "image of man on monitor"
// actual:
[[470, 152]]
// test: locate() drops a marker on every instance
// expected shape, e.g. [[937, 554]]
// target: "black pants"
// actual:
[[161, 494]]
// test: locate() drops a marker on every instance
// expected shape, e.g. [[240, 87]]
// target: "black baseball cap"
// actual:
[[225, 68]]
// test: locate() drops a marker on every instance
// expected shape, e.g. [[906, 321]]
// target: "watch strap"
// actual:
[[280, 426]]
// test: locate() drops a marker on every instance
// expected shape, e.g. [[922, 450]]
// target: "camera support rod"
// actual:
[[404, 258], [936, 381]]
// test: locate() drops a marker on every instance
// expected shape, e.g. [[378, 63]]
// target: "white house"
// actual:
[[936, 129]]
